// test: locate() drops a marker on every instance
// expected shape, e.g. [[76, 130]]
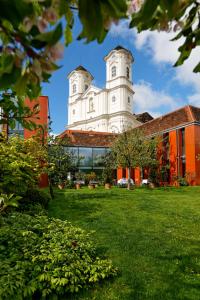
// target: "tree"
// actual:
[[60, 158], [31, 30], [177, 15], [107, 173], [132, 149]]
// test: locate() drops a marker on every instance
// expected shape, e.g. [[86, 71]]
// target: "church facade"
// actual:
[[103, 110]]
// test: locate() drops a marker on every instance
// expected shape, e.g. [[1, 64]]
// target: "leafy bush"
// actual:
[[42, 256], [8, 201], [21, 164], [182, 181], [35, 196]]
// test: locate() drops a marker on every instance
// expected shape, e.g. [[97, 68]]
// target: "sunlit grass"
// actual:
[[152, 236]]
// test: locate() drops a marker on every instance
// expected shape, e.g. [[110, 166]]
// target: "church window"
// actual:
[[129, 100], [91, 104], [86, 87], [113, 98], [128, 72], [74, 88], [114, 71]]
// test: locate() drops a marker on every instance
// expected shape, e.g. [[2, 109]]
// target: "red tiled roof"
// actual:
[[179, 117], [88, 138]]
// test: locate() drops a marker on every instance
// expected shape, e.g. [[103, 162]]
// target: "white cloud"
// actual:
[[194, 99], [162, 50], [153, 101]]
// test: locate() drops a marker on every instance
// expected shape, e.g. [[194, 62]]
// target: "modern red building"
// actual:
[[180, 132], [180, 146], [41, 118]]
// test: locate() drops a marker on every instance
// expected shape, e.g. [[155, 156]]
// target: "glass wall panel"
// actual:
[[85, 157], [98, 156]]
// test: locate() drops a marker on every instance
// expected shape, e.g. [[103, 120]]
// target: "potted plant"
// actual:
[[61, 185], [79, 180], [91, 179]]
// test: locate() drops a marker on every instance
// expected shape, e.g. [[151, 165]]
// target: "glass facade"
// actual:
[[19, 130], [88, 159]]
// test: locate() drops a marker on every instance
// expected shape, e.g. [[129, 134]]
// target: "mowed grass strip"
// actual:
[[152, 236]]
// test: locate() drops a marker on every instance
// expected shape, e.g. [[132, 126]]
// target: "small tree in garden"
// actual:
[[132, 149], [109, 167], [61, 159]]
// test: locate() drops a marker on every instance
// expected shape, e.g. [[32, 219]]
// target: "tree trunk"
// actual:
[[141, 175], [129, 178], [51, 189]]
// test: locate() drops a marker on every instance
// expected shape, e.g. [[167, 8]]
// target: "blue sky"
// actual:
[[159, 88]]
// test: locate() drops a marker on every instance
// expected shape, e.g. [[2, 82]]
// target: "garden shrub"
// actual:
[[43, 257], [35, 196], [21, 164]]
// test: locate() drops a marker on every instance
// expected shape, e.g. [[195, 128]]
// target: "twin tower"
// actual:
[[105, 110]]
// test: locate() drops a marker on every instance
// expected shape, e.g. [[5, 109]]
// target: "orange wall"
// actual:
[[190, 153], [197, 152], [41, 118], [172, 156], [192, 137]]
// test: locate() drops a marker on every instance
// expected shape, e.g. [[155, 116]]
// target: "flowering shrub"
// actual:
[[42, 256]]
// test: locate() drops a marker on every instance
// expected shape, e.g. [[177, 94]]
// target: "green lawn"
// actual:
[[152, 236]]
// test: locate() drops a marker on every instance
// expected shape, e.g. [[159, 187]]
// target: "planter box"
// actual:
[[91, 186], [78, 186], [108, 186]]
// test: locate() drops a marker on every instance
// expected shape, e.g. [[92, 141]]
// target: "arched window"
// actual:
[[86, 87], [73, 111], [74, 88], [114, 71], [129, 100], [91, 104], [128, 72], [113, 98]]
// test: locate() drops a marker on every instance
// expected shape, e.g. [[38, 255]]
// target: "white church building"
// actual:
[[106, 110]]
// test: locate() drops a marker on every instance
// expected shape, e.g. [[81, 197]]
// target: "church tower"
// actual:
[[79, 81], [120, 89]]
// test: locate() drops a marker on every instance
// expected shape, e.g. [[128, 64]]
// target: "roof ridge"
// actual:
[[190, 112], [162, 116]]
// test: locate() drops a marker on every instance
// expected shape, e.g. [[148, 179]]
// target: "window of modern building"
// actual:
[[114, 71], [85, 157], [182, 152], [98, 156], [19, 130], [128, 72], [183, 141], [74, 88], [165, 145]]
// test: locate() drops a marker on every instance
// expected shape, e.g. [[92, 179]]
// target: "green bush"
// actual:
[[70, 184], [182, 181], [34, 196], [42, 256], [21, 164]]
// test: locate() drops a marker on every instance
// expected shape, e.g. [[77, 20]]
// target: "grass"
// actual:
[[152, 236]]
